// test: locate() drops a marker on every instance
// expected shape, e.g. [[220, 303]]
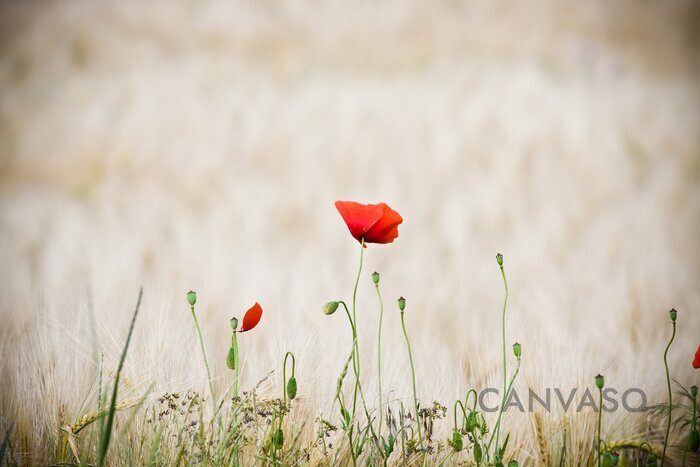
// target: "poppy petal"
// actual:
[[386, 229], [251, 318], [696, 362], [359, 217]]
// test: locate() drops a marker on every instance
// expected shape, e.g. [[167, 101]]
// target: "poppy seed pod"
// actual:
[[402, 303], [499, 259], [292, 387], [694, 391], [191, 298], [693, 440], [279, 438], [375, 277], [231, 359], [599, 381], [673, 313], [234, 324], [517, 350], [330, 307], [457, 443]]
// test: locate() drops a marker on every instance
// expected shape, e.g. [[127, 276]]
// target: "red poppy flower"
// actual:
[[696, 362], [251, 318], [375, 223]]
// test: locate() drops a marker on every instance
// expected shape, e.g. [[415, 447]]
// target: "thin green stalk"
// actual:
[[499, 259], [354, 327], [234, 346], [600, 418], [413, 378], [498, 420], [204, 354], [670, 393], [379, 357], [107, 433]]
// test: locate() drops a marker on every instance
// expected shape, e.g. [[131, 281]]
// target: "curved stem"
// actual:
[[670, 395], [379, 357], [413, 378], [464, 412], [284, 374], [503, 336], [466, 399], [204, 354]]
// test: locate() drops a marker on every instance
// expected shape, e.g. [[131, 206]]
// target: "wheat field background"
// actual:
[[201, 146]]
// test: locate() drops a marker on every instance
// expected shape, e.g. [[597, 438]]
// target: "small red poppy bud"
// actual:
[[375, 277], [517, 350], [330, 307], [599, 381], [402, 303], [191, 298], [673, 313]]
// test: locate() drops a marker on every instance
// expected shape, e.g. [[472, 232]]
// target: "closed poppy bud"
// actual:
[[457, 443], [330, 307], [517, 350], [478, 454], [693, 441], [402, 303], [472, 421], [513, 464], [610, 459], [375, 277], [499, 259], [234, 324], [231, 359], [191, 298], [651, 460], [693, 391], [673, 313], [292, 387], [279, 438], [599, 381]]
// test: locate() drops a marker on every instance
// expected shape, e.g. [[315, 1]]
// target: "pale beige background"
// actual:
[[202, 145]]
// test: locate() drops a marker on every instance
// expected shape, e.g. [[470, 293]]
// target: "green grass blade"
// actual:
[[106, 435]]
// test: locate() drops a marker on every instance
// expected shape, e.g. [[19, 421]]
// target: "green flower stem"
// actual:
[[204, 354], [413, 378], [354, 328], [670, 394], [503, 335], [284, 374], [500, 413], [379, 357], [234, 346], [464, 412], [600, 418]]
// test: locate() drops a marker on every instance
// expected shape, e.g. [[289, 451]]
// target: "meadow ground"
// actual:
[[202, 145]]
